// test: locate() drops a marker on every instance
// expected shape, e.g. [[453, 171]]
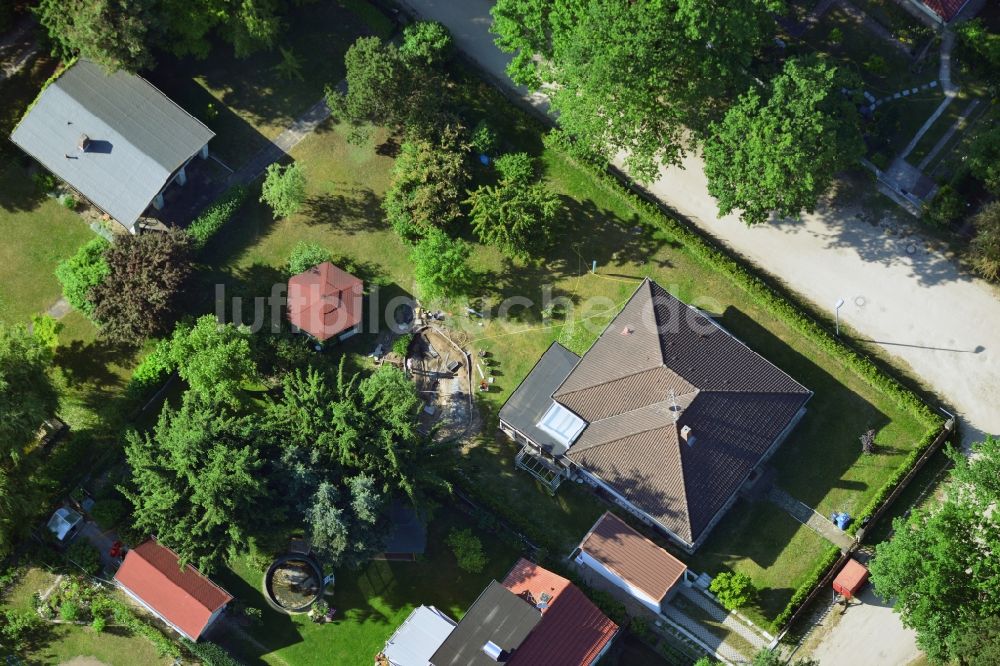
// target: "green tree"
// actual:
[[386, 87], [284, 189], [27, 396], [441, 265], [196, 482], [734, 590], [348, 525], [427, 43], [112, 33], [185, 27], [979, 644], [305, 255], [766, 657], [942, 565], [427, 184], [82, 272], [632, 76], [214, 359], [140, 293], [984, 250], [516, 215], [781, 155], [984, 157]]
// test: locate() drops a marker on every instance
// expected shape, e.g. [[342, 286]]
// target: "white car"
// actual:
[[64, 522]]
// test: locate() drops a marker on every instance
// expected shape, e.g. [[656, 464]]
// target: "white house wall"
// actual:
[[642, 597]]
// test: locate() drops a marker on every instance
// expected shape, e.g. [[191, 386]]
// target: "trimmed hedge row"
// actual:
[[154, 369], [802, 592], [216, 215]]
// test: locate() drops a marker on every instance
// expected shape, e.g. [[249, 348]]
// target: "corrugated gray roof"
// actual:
[[525, 407], [139, 137]]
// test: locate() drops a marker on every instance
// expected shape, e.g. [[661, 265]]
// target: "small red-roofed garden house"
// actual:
[[325, 301]]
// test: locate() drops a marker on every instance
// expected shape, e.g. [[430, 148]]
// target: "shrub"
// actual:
[[868, 441], [876, 64], [216, 215], [734, 590], [484, 138], [45, 182], [836, 36], [83, 554], [109, 512], [98, 624], [153, 369], [305, 255], [468, 550], [946, 207], [17, 628], [516, 167], [426, 43], [79, 274], [401, 345], [69, 610], [69, 201], [284, 189], [984, 250], [209, 654]]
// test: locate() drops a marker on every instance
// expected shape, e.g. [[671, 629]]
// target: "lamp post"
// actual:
[[836, 310]]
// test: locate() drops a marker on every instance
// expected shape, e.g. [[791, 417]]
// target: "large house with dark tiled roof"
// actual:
[[667, 414]]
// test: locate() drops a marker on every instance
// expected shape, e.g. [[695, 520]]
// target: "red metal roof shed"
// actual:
[[182, 597], [324, 301], [850, 579]]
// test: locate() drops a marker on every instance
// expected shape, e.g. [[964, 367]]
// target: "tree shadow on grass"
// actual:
[[90, 362], [356, 212]]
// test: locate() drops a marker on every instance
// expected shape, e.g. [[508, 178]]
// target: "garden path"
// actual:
[[810, 518], [958, 126]]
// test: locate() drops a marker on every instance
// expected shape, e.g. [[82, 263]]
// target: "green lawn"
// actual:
[[38, 233], [61, 643], [371, 602]]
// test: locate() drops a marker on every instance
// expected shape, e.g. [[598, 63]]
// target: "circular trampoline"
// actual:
[[293, 583]]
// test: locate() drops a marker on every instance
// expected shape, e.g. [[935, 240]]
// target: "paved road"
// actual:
[[931, 317]]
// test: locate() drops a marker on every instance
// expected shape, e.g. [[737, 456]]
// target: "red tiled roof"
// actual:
[[632, 557], [573, 631], [946, 9], [324, 301], [182, 597]]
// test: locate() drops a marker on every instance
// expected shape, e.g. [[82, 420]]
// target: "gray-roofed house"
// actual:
[[113, 137], [493, 628], [667, 414]]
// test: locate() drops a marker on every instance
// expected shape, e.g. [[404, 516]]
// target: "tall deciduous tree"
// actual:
[[428, 180], [441, 265], [516, 215], [146, 276], [214, 359], [781, 154], [109, 32], [196, 482], [27, 396], [631, 76], [284, 189], [186, 27], [942, 565]]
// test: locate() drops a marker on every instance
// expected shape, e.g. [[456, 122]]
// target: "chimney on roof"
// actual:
[[494, 651], [83, 143], [687, 435]]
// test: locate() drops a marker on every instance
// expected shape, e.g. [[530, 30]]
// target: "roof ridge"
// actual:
[[617, 379]]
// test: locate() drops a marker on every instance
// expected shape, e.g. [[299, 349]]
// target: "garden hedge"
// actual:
[[213, 218], [829, 558]]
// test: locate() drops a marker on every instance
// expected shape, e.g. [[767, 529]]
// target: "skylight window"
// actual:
[[562, 424]]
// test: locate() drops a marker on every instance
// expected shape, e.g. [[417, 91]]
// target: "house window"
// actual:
[[562, 424]]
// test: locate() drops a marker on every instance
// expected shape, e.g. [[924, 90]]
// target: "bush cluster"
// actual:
[[468, 550], [215, 216]]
